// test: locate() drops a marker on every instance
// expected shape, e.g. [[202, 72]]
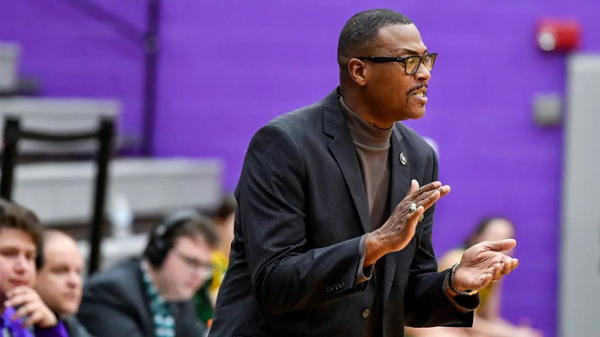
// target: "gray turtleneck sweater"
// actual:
[[372, 147]]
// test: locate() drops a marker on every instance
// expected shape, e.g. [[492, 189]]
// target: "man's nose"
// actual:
[[21, 263], [423, 74], [74, 280]]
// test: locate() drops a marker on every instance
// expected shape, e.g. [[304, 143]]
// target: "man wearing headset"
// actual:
[[151, 296]]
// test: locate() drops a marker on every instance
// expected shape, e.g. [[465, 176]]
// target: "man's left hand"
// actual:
[[484, 263]]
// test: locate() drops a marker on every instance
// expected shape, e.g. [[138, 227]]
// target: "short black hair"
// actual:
[[225, 208], [360, 31], [201, 226]]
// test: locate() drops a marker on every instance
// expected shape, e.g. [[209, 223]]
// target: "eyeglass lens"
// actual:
[[412, 63]]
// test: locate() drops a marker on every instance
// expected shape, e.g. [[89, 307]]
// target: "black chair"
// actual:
[[104, 135]]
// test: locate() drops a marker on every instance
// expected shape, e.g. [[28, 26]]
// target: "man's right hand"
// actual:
[[30, 307], [399, 229]]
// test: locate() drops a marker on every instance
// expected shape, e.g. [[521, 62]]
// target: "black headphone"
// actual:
[[159, 243]]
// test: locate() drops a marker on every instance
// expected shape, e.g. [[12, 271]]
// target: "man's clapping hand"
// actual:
[[484, 263], [399, 229]]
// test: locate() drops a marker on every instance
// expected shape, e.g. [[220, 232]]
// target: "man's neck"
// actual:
[[360, 108]]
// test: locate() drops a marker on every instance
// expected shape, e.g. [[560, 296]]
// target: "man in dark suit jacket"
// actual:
[[333, 233], [151, 296]]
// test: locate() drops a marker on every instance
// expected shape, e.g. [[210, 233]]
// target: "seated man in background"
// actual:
[[152, 295], [488, 321], [59, 281], [223, 217], [24, 314]]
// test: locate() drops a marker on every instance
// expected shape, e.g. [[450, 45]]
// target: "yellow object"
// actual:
[[220, 262]]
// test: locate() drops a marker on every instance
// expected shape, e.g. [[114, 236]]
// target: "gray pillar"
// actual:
[[580, 237]]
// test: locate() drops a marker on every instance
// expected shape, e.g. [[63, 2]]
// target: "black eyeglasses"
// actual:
[[195, 264], [411, 63]]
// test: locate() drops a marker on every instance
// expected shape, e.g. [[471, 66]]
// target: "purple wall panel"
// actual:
[[227, 67], [72, 55]]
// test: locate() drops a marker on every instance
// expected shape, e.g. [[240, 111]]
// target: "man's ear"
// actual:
[[358, 71]]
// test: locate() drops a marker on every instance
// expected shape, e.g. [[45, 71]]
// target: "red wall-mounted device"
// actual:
[[558, 35]]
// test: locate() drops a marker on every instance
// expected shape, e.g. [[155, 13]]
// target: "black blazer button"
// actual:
[[328, 289], [366, 313]]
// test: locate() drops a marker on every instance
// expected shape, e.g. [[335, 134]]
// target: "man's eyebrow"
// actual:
[[408, 51]]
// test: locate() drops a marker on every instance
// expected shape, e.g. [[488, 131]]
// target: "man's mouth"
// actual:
[[18, 283], [420, 93], [70, 296]]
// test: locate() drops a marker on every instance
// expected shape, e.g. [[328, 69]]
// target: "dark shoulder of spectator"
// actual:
[[119, 286], [75, 328]]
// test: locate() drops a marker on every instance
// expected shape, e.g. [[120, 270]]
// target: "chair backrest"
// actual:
[[13, 133]]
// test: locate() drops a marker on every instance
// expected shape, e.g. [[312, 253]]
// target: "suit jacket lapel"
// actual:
[[343, 150], [399, 186]]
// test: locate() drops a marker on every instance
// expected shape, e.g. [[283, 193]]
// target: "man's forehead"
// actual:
[[401, 39], [62, 258], [25, 243], [53, 261], [60, 240], [65, 249], [190, 241], [27, 246]]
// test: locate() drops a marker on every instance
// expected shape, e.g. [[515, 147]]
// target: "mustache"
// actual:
[[418, 87]]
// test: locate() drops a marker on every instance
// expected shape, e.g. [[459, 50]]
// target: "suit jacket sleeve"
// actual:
[[426, 303], [286, 276]]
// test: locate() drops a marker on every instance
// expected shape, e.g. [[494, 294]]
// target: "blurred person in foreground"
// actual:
[[59, 282], [335, 207], [151, 296], [488, 321], [24, 314], [223, 218]]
